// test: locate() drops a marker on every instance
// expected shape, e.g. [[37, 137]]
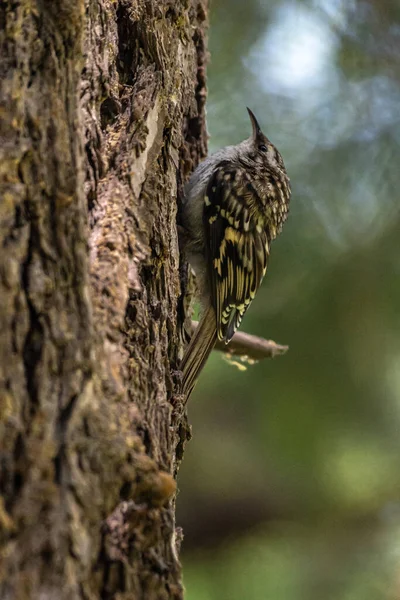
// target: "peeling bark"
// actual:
[[102, 119]]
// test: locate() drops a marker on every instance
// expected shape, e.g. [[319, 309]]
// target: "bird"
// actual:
[[235, 205]]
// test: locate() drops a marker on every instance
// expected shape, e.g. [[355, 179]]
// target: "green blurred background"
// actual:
[[290, 486]]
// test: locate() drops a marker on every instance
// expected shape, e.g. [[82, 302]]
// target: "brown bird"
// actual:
[[235, 204]]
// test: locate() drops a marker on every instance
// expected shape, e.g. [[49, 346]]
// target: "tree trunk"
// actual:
[[102, 119]]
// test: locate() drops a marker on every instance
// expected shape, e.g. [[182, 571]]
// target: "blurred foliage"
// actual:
[[290, 486]]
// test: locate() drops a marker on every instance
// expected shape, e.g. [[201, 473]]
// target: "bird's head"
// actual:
[[261, 149]]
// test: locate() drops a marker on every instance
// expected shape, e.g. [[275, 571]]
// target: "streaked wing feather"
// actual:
[[237, 255]]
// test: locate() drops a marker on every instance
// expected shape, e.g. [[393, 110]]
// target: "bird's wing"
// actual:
[[237, 245]]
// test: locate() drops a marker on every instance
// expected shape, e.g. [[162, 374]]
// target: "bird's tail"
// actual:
[[199, 348]]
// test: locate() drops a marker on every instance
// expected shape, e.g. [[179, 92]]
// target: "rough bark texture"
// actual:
[[102, 118]]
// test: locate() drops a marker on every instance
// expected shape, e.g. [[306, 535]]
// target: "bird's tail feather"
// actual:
[[199, 348]]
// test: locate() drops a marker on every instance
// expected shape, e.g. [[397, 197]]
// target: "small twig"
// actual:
[[252, 347]]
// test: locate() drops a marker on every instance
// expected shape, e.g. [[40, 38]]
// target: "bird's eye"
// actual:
[[263, 148]]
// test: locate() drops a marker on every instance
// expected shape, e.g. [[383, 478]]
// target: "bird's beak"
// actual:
[[254, 123]]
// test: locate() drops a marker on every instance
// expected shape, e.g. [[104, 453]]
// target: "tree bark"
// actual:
[[102, 119]]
